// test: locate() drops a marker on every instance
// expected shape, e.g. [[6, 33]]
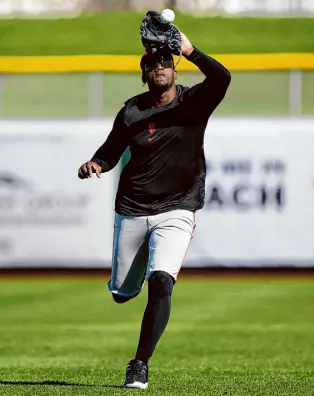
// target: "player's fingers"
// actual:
[[97, 171], [82, 172], [84, 168], [89, 169], [82, 176]]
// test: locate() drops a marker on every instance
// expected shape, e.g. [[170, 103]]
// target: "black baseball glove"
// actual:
[[159, 36]]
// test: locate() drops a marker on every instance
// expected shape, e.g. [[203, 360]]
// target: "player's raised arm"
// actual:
[[108, 155], [209, 93]]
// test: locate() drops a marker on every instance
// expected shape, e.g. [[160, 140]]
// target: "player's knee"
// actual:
[[120, 299], [161, 283]]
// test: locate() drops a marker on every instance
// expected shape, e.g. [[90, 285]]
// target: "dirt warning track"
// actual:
[[90, 273]]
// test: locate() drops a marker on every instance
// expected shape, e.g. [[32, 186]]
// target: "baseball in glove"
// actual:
[[157, 36]]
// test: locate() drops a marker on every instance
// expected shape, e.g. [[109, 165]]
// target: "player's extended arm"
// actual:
[[209, 93], [109, 154]]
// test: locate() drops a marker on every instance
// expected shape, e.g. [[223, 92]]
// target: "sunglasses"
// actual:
[[166, 64]]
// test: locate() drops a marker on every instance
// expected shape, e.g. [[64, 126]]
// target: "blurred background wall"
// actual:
[[252, 7], [66, 68]]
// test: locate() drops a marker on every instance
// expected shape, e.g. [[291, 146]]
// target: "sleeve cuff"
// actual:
[[101, 163], [194, 55], [97, 161]]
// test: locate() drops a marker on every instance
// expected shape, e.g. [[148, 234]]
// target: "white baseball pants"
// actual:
[[144, 244]]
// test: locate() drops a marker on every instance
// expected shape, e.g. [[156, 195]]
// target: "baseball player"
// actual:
[[160, 188]]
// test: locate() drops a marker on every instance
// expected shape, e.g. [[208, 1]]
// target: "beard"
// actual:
[[160, 83]]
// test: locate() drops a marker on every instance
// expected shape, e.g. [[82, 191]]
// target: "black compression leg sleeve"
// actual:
[[156, 314]]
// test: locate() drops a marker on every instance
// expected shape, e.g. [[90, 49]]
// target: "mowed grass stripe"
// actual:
[[225, 337]]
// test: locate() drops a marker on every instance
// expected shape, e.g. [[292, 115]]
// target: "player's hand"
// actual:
[[87, 169], [186, 45]]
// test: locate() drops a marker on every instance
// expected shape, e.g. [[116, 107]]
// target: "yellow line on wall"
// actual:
[[130, 63]]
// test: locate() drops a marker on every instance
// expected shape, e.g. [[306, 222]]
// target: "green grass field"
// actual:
[[225, 337], [118, 33]]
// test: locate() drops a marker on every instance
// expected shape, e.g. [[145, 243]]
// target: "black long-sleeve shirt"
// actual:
[[167, 167]]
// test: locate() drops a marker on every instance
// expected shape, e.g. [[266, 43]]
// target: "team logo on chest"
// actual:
[[151, 130]]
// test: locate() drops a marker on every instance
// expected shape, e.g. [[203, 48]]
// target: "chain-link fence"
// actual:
[[252, 93]]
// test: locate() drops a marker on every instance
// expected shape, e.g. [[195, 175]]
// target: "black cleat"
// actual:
[[136, 375]]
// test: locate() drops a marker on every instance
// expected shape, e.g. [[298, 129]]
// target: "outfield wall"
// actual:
[[259, 206], [130, 63]]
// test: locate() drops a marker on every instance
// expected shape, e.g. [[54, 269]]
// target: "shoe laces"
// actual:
[[136, 368]]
